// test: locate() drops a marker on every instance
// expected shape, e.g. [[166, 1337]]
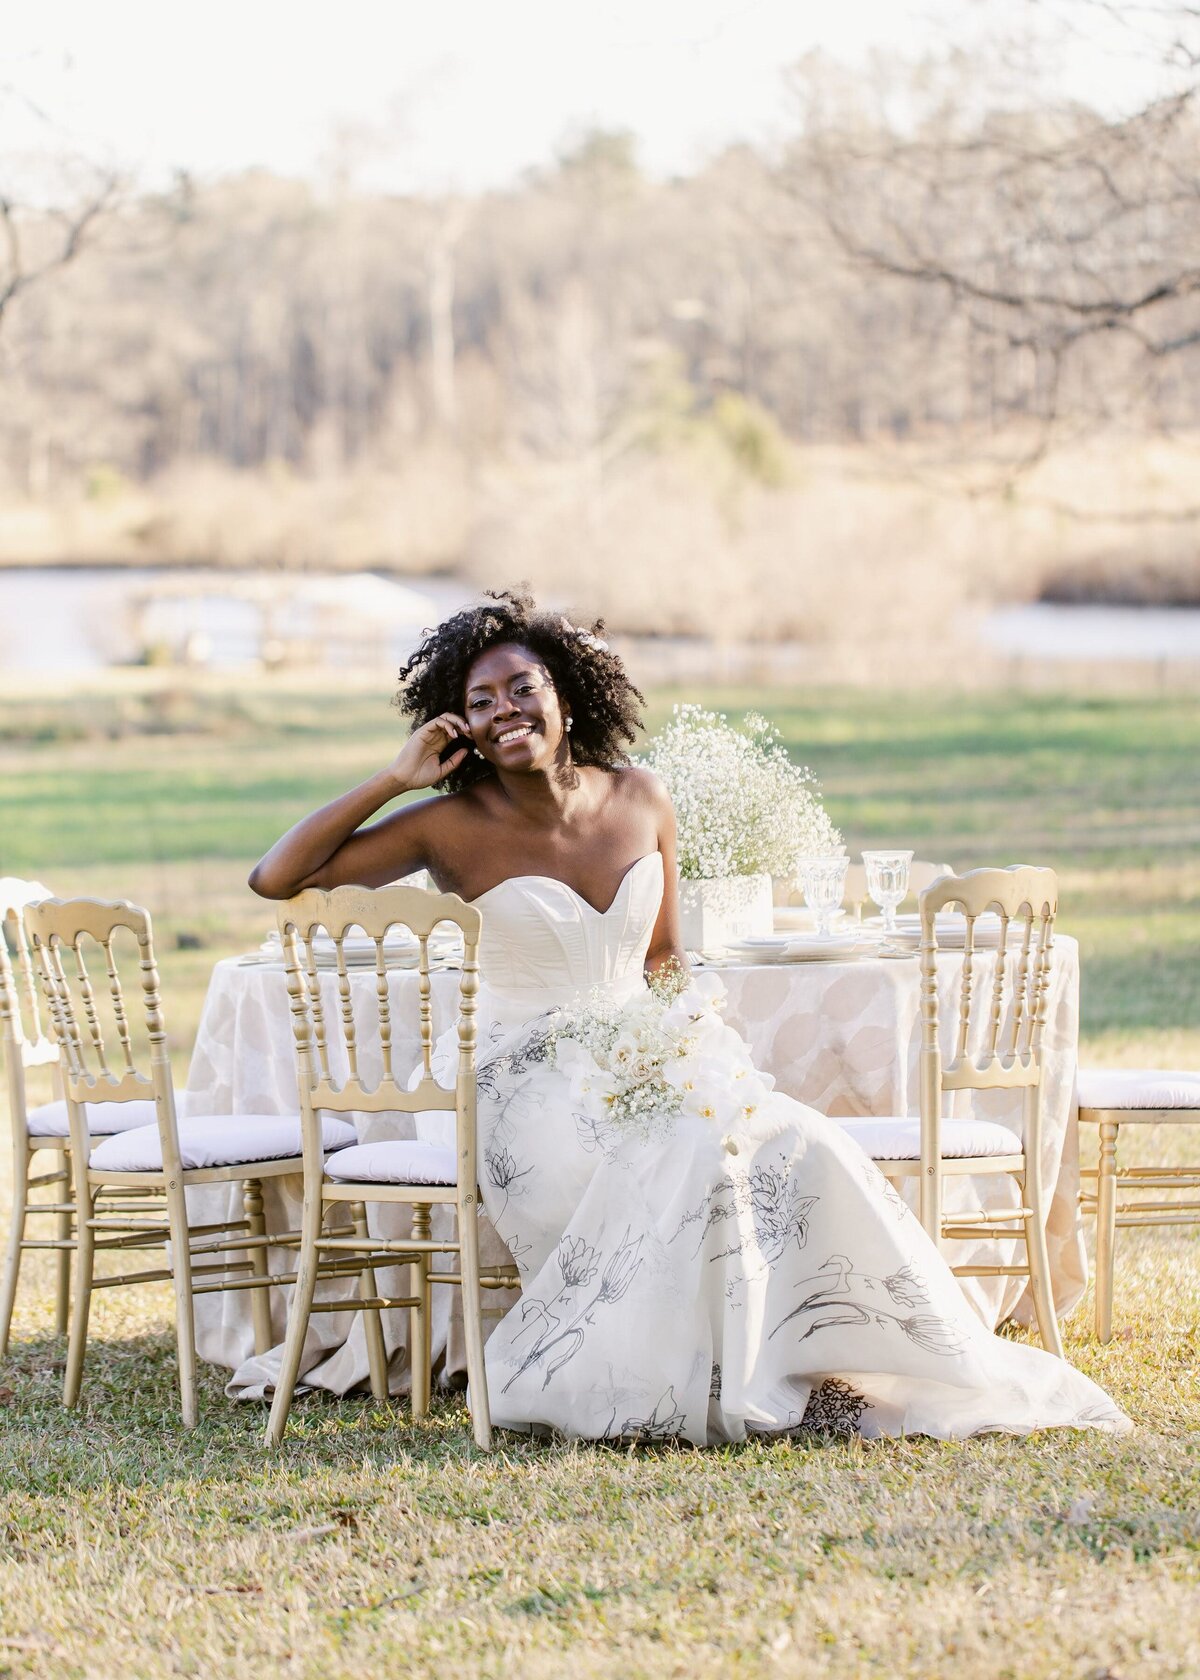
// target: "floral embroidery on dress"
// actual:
[[835, 1409], [770, 1197], [830, 1304], [664, 1423], [561, 1333], [503, 1173]]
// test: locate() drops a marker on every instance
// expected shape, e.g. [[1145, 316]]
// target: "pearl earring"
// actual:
[[478, 754], [570, 721]]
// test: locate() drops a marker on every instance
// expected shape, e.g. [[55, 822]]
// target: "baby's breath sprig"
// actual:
[[742, 807]]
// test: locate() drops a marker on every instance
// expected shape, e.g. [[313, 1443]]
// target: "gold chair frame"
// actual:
[[26, 1046], [1027, 896], [1111, 1180], [58, 926], [336, 913]]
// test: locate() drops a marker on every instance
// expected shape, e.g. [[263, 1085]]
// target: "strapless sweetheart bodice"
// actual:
[[543, 944]]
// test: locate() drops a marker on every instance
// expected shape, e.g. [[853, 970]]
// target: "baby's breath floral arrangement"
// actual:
[[742, 806], [637, 1065]]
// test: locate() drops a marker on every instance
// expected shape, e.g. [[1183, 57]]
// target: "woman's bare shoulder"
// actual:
[[640, 786], [454, 813]]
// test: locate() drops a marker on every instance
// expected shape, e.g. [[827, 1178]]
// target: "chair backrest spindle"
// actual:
[[20, 1004], [313, 914], [1018, 993], [1029, 896], [61, 926]]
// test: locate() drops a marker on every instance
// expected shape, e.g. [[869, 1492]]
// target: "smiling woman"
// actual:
[[522, 719], [589, 680]]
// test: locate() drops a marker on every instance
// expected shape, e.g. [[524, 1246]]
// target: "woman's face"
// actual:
[[513, 710]]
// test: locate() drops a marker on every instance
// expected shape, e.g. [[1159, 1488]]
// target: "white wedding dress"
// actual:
[[703, 1284]]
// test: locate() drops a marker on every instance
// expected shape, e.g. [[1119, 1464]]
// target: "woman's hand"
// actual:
[[419, 763]]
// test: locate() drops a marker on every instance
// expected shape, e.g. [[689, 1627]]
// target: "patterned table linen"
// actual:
[[842, 1037]]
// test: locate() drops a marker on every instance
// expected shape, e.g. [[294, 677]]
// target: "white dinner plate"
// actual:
[[950, 928], [801, 948], [400, 949], [797, 918], [834, 949], [760, 948]]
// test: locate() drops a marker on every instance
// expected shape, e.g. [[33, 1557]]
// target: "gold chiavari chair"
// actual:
[[165, 1158], [420, 1175], [1110, 1098], [997, 1045], [39, 1134], [26, 1047]]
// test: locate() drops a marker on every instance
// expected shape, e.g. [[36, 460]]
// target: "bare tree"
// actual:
[[42, 231], [1061, 244]]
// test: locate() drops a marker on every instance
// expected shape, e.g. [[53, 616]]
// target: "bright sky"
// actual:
[[467, 92]]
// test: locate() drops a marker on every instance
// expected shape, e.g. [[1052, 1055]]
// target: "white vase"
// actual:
[[714, 912]]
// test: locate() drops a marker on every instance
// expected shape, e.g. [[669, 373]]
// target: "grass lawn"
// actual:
[[370, 1545]]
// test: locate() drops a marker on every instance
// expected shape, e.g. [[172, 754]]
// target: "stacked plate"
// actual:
[[400, 950], [950, 928], [802, 947], [795, 918]]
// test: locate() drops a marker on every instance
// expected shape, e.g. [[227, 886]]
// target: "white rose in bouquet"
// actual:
[[636, 1066]]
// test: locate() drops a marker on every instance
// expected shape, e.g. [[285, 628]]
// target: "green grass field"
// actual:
[[370, 1545]]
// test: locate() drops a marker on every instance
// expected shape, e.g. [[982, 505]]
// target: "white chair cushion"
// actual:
[[103, 1118], [887, 1139], [217, 1140], [394, 1162], [1137, 1088]]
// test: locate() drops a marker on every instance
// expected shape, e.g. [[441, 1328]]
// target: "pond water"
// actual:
[[1048, 630], [77, 619], [72, 620]]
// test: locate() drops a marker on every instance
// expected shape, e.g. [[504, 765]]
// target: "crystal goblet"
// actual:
[[824, 882], [887, 882]]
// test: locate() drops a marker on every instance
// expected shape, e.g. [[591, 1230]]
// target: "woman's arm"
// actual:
[[330, 848], [666, 942]]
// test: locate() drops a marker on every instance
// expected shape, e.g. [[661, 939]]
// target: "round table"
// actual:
[[842, 1037]]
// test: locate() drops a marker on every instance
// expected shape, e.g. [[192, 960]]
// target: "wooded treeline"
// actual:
[[963, 290]]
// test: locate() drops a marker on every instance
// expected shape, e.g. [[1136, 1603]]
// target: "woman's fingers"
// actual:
[[450, 725], [452, 763]]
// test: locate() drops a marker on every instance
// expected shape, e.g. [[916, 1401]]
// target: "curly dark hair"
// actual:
[[591, 682]]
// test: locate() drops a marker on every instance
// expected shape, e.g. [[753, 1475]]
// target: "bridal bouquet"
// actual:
[[742, 806], [635, 1066]]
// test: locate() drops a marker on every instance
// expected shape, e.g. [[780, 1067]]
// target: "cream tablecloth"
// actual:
[[841, 1037]]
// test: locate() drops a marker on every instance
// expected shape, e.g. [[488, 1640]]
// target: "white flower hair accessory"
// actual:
[[584, 636]]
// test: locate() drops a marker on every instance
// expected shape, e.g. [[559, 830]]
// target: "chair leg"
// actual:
[[377, 1360], [1106, 1227], [1039, 1261], [12, 1258], [185, 1323], [260, 1299], [468, 1241], [85, 1255], [64, 1224], [298, 1316], [420, 1340]]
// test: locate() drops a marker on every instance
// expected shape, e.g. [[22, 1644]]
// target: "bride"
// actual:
[[677, 1280]]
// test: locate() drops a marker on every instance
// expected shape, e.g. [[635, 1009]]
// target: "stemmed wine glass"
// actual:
[[887, 883], [824, 882]]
